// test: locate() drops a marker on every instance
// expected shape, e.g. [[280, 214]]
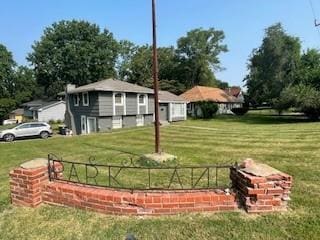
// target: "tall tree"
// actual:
[[309, 69], [273, 65], [139, 68], [25, 85], [199, 56], [7, 66], [73, 52], [127, 50]]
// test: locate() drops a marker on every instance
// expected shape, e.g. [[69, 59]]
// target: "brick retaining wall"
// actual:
[[137, 203], [31, 187]]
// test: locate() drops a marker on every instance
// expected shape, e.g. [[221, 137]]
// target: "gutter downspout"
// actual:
[[69, 118]]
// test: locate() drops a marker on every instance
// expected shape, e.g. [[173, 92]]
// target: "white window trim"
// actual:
[[83, 103], [77, 97], [142, 104], [83, 120], [123, 100]]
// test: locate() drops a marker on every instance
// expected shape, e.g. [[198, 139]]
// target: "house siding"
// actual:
[[105, 104], [150, 103], [129, 121], [119, 110], [90, 111], [175, 119], [148, 119], [142, 110], [131, 103], [54, 113], [104, 124], [101, 107]]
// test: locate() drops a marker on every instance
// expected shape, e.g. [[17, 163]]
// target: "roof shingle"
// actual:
[[200, 93], [112, 85]]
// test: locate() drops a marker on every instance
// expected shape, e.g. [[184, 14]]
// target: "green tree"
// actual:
[[6, 106], [73, 52], [309, 69], [302, 97], [7, 66], [127, 50], [208, 109], [198, 54], [25, 85], [273, 65], [139, 68]]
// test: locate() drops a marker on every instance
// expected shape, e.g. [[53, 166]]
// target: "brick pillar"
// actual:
[[258, 194], [26, 182]]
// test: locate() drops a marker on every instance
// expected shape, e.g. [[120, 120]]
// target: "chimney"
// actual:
[[70, 87]]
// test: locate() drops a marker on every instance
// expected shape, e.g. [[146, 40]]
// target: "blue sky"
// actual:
[[243, 21]]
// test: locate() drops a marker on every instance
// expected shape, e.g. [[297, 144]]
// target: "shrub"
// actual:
[[240, 111], [208, 109]]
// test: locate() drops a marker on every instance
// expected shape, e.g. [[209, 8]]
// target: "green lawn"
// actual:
[[289, 144]]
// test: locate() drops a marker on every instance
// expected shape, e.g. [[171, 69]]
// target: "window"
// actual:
[[142, 99], [24, 126], [178, 110], [85, 99], [76, 99], [35, 125], [118, 99]]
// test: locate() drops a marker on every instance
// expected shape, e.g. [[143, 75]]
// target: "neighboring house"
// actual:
[[17, 115], [45, 111], [108, 104], [172, 107], [216, 95], [235, 92]]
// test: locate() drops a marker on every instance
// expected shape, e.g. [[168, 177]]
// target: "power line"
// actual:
[[316, 24]]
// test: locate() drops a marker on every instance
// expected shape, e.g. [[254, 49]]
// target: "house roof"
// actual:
[[41, 104], [112, 85], [165, 96], [233, 91], [200, 93], [18, 111]]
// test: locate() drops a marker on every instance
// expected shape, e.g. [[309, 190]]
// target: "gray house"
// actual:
[[108, 104], [44, 111], [172, 107]]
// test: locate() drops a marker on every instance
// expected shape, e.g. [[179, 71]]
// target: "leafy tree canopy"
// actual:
[[7, 65], [73, 52], [199, 52], [272, 66]]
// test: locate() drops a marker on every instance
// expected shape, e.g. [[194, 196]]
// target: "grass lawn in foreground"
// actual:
[[289, 144]]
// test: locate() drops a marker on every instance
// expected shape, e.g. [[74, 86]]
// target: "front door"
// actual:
[[83, 124], [163, 112], [91, 124]]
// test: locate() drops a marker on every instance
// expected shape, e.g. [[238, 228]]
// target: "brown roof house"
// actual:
[[199, 93]]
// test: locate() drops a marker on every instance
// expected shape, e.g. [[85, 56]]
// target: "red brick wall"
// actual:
[[30, 187], [137, 203], [26, 185], [262, 194]]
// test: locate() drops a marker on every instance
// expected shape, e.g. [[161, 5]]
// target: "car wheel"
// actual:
[[44, 135], [8, 137]]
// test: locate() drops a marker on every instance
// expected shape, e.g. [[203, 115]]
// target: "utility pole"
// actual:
[[155, 79]]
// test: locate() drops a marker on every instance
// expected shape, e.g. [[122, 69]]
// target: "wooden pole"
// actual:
[[155, 79]]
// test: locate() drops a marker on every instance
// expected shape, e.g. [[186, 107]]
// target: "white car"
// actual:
[[30, 129], [9, 122]]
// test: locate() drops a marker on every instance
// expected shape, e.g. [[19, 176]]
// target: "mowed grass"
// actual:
[[289, 144]]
